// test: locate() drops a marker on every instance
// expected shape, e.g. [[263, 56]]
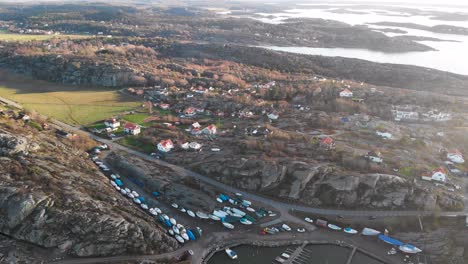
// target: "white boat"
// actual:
[[192, 214], [334, 227], [185, 146], [122, 191], [231, 254], [219, 213], [228, 225], [175, 205], [214, 217], [308, 220], [231, 201], [179, 239], [369, 232], [176, 230], [301, 230], [158, 210], [250, 209], [202, 215], [349, 230], [410, 249], [135, 194], [117, 188], [245, 221], [130, 195], [173, 221], [195, 145], [165, 217], [144, 206], [219, 200], [128, 190], [185, 236], [183, 210], [153, 212], [238, 212], [171, 232]]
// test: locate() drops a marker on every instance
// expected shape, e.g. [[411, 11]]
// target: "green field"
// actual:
[[135, 143], [137, 118], [70, 104], [5, 36]]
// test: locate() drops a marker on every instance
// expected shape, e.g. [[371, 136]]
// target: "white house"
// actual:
[[374, 157], [165, 146], [439, 174], [112, 123], [384, 135], [346, 93], [132, 129], [455, 156]]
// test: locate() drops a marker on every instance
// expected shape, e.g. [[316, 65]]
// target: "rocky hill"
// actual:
[[53, 197]]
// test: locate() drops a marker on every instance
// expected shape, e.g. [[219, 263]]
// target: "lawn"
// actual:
[[78, 107], [135, 143], [5, 36], [137, 118]]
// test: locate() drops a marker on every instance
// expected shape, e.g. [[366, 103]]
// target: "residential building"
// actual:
[[210, 130], [165, 146], [132, 129], [346, 93], [439, 174], [112, 123], [327, 143]]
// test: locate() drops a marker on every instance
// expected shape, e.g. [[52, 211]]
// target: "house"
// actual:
[[439, 174], [257, 131], [210, 130], [112, 123], [196, 125], [384, 135], [455, 156], [195, 146], [165, 146], [405, 112], [132, 129], [327, 143], [374, 156], [346, 93]]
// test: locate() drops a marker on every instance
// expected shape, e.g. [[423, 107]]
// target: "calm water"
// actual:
[[448, 56], [320, 254]]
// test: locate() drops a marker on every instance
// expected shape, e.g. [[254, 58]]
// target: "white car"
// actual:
[[308, 220], [144, 206], [286, 227], [301, 230], [137, 201]]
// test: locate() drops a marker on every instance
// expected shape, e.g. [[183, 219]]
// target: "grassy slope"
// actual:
[[25, 37], [74, 106]]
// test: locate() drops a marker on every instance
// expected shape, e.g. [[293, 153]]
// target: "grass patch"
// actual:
[[137, 118], [407, 171], [6, 36], [135, 143], [72, 106], [97, 126]]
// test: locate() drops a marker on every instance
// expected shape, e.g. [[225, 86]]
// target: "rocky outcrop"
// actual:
[[12, 145], [321, 185], [56, 199]]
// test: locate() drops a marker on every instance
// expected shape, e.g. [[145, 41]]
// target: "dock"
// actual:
[[298, 256]]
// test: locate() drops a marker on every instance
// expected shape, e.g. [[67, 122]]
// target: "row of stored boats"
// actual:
[[404, 247]]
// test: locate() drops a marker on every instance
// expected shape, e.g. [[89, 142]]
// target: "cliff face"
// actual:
[[319, 185], [55, 198]]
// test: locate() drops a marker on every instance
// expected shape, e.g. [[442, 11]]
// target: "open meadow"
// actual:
[[5, 36], [74, 105]]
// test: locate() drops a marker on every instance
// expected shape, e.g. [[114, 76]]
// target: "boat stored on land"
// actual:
[[231, 254], [245, 221], [228, 225], [179, 239], [202, 215], [349, 230], [334, 227], [410, 249], [369, 232], [190, 213], [390, 240], [214, 217]]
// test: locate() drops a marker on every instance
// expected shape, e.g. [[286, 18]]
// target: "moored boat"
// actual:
[[238, 212], [219, 200], [369, 232], [173, 221], [334, 227], [191, 235], [185, 236], [250, 209], [228, 225], [231, 254]]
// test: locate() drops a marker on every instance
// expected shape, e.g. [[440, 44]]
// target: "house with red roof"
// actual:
[[439, 174], [190, 111], [346, 93], [132, 129], [164, 106], [165, 145]]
